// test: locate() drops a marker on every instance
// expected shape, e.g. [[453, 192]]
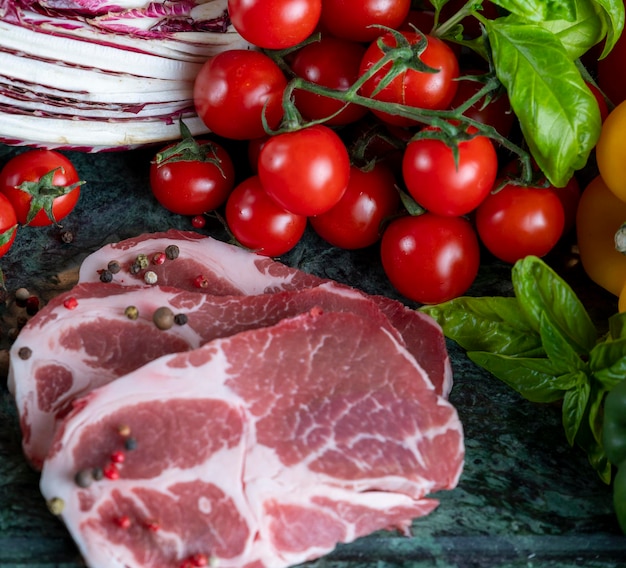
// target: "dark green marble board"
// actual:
[[525, 498]]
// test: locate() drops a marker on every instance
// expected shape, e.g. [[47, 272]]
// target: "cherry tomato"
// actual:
[[8, 224], [497, 112], [42, 185], [259, 223], [234, 88], [517, 221], [192, 184], [602, 105], [430, 258], [444, 187], [356, 221], [274, 24], [357, 19], [419, 89], [333, 63], [611, 151], [569, 195], [306, 171]]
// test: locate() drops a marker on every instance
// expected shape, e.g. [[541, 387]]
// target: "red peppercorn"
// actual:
[[200, 281], [198, 221], [118, 457], [199, 559], [111, 472], [152, 525], [123, 521], [70, 303], [159, 258]]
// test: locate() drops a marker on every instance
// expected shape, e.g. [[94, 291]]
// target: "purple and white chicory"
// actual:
[[105, 74]]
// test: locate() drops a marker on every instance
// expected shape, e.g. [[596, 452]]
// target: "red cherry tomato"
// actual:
[[602, 106], [193, 185], [306, 171], [611, 72], [333, 63], [419, 89], [356, 221], [42, 185], [518, 221], [356, 20], [444, 187], [430, 258], [8, 225], [274, 24], [234, 88], [259, 223]]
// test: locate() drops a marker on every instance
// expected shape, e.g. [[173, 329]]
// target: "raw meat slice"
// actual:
[[83, 339], [222, 268], [263, 449]]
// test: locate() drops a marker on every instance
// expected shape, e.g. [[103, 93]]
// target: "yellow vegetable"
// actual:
[[600, 214], [611, 151]]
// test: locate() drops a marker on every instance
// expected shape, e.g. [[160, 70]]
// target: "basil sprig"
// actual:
[[542, 343]]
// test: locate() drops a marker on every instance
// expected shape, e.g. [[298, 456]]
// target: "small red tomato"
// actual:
[[430, 258], [42, 186], [418, 89], [259, 223], [274, 24], [192, 182], [356, 221], [517, 221], [8, 225], [306, 171], [359, 20], [235, 89], [330, 62], [443, 186]]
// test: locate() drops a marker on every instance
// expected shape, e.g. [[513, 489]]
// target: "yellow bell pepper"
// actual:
[[600, 214]]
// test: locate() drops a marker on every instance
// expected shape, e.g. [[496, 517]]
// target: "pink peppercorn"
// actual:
[[70, 303]]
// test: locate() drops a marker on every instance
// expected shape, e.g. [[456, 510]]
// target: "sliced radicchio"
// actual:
[[154, 50]]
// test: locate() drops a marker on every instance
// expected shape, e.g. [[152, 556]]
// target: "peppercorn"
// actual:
[[106, 276], [70, 303], [114, 267], [32, 305], [97, 473], [135, 268], [25, 353], [131, 312], [172, 252], [150, 277], [130, 444], [181, 319], [163, 318], [123, 522], [84, 478], [124, 429], [21, 295], [142, 261], [56, 505], [159, 258]]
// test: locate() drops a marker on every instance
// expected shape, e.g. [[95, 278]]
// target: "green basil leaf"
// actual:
[[540, 10], [558, 349], [533, 378], [557, 112], [494, 324], [607, 362], [574, 406], [581, 34], [617, 326], [613, 12], [541, 291]]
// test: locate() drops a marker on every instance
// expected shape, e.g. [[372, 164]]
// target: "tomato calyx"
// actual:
[[43, 192], [188, 150], [7, 235]]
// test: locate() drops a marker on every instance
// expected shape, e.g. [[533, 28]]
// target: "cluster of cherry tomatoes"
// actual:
[[360, 174]]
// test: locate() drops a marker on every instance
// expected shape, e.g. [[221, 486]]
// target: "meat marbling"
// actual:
[[64, 352], [227, 269], [262, 449]]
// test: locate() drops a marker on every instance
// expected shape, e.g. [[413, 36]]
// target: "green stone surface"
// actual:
[[525, 499]]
